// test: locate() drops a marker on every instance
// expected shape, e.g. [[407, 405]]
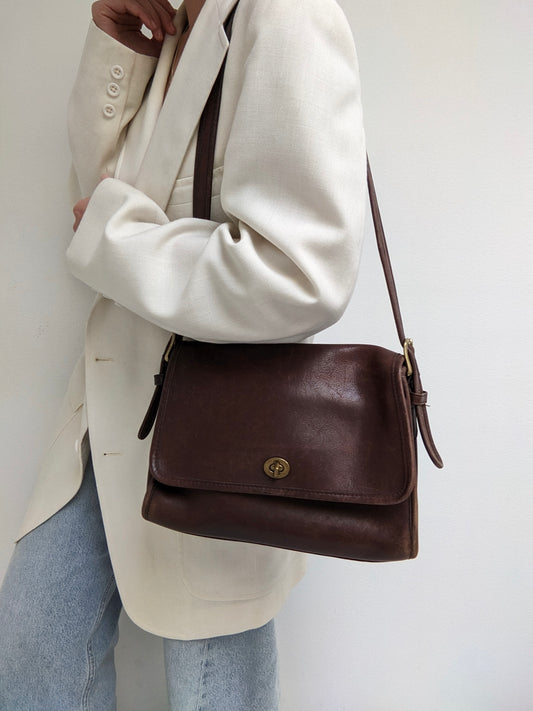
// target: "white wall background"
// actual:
[[449, 101]]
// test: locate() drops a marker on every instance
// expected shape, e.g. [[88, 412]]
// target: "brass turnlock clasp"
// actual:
[[276, 467]]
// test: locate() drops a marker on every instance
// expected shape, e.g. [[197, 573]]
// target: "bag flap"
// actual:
[[309, 421]]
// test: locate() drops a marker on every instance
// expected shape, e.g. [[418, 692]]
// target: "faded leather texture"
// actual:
[[339, 414]]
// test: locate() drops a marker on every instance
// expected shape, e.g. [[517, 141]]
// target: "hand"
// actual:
[[123, 20], [80, 207], [79, 211]]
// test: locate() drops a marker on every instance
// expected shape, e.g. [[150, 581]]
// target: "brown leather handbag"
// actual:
[[309, 447]]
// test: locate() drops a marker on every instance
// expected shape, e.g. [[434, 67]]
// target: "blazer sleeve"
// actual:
[[283, 266], [107, 93]]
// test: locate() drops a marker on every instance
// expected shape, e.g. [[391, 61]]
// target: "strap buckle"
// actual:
[[406, 344], [170, 346]]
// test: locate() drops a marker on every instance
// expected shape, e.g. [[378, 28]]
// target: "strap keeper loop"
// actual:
[[419, 398]]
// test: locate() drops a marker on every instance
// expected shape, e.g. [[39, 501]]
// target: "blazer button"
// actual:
[[117, 72], [109, 111], [113, 89]]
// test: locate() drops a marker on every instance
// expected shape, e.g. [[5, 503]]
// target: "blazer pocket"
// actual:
[[181, 195], [225, 571]]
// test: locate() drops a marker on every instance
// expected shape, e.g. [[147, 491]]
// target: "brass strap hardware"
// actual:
[[408, 342], [170, 346]]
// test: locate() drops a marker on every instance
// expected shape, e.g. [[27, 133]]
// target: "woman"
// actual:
[[276, 262]]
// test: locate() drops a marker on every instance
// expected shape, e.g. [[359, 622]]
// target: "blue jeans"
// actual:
[[59, 610]]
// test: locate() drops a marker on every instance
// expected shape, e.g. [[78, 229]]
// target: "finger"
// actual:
[[158, 22], [165, 7], [164, 16], [79, 211], [148, 17], [81, 204], [145, 45], [168, 15]]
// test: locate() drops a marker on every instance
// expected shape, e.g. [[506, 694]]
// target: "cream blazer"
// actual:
[[277, 262]]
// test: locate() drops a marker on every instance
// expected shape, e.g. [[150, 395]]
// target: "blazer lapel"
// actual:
[[142, 128], [178, 119]]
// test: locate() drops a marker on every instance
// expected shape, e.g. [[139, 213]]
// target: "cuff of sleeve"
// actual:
[[110, 202], [103, 45], [106, 65]]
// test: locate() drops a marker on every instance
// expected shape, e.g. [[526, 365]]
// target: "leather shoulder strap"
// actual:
[[418, 394], [207, 136], [202, 190]]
